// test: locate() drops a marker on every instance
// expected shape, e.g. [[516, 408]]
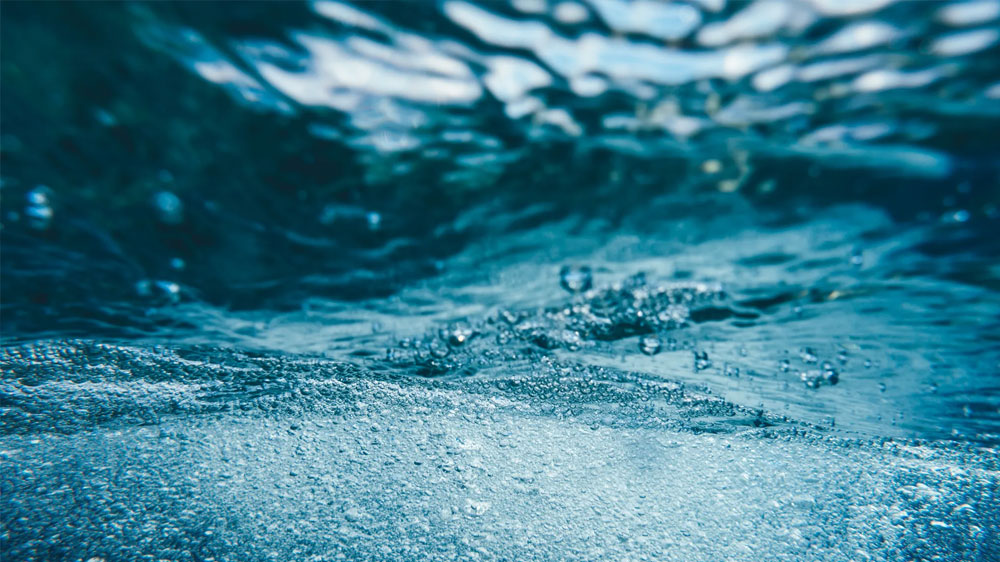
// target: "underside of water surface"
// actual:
[[696, 280]]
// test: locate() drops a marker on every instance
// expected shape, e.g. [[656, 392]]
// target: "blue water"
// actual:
[[547, 280]]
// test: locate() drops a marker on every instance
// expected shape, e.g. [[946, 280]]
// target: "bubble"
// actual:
[[144, 288], [39, 196], [650, 344], [167, 290], [812, 379], [169, 207], [857, 258], [169, 287], [701, 361], [674, 315], [576, 279], [457, 334], [105, 117], [38, 211], [831, 376], [784, 365], [571, 339], [507, 316], [177, 263], [808, 355], [961, 215], [842, 356], [374, 220]]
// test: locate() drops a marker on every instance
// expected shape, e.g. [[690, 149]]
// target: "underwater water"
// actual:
[[543, 280]]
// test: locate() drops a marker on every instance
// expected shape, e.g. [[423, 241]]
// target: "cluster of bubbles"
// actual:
[[815, 373], [38, 210], [166, 292], [576, 279], [629, 308], [632, 307], [321, 456], [650, 344]]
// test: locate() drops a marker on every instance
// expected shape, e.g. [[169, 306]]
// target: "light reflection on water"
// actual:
[[797, 67]]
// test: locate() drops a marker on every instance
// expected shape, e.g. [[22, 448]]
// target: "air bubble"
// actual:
[[674, 315], [701, 361], [961, 215], [167, 290], [38, 211], [857, 257], [457, 335], [571, 339], [650, 344], [576, 279], [807, 355], [169, 207], [812, 379]]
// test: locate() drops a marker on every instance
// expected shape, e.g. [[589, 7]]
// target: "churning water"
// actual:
[[550, 280]]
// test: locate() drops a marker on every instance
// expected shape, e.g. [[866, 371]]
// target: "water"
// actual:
[[698, 280]]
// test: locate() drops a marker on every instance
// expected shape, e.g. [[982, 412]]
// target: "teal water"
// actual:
[[567, 280]]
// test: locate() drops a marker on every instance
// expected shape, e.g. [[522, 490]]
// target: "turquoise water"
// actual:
[[696, 280]]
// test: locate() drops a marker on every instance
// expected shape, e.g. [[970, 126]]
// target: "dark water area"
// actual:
[[394, 280]]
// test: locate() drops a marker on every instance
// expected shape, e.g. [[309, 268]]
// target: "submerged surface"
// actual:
[[553, 280]]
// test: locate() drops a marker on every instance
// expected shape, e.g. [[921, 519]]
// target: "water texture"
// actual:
[[540, 280]]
